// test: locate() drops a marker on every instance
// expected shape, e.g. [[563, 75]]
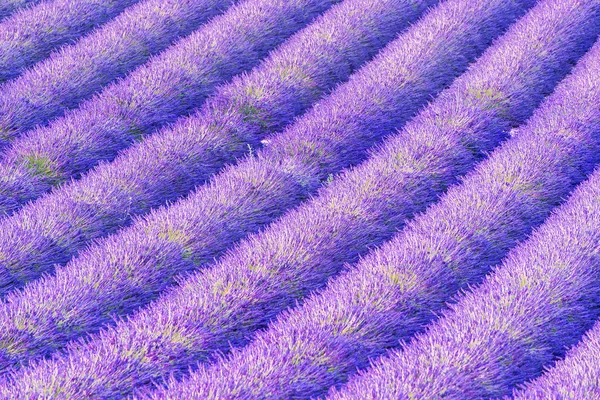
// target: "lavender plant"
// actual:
[[223, 305], [169, 164], [575, 377], [8, 7], [396, 290], [171, 84], [543, 297], [31, 34]]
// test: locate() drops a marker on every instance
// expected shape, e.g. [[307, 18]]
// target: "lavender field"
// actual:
[[300, 199]]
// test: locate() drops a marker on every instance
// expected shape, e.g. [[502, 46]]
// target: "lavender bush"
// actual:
[[30, 35], [396, 290], [171, 84], [544, 295], [169, 164], [269, 271], [575, 377]]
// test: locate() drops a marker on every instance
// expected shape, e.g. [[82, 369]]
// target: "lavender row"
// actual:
[[262, 276], [396, 290], [30, 35], [76, 72], [542, 298], [145, 258], [169, 164], [575, 377], [8, 7], [171, 84]]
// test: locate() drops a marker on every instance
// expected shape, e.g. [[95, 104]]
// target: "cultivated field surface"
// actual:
[[300, 199]]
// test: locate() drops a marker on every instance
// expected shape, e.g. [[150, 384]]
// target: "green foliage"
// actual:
[[42, 167], [252, 114]]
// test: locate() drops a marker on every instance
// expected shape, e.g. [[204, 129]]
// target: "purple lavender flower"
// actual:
[[24, 182]]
